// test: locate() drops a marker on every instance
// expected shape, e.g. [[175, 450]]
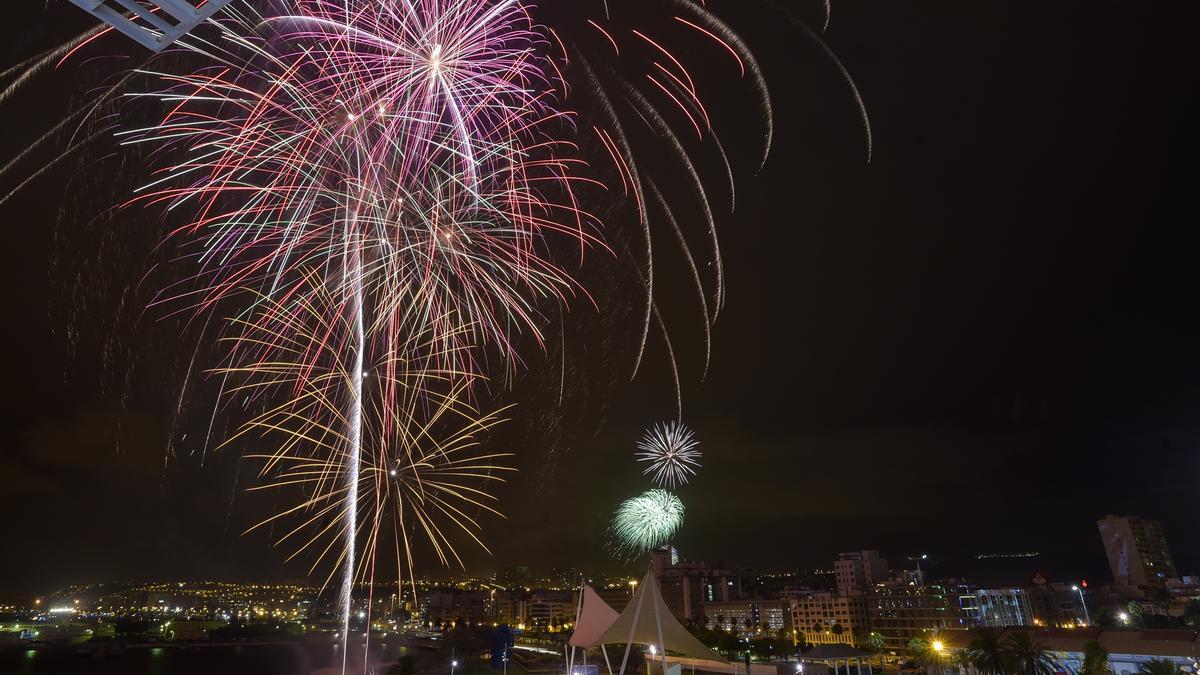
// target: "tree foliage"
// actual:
[[1028, 656], [1159, 667], [1095, 659], [986, 652]]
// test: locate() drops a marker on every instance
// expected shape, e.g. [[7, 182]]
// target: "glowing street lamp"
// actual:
[[918, 559], [1083, 601]]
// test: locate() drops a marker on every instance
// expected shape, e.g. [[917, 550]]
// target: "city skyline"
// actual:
[[979, 343], [1126, 552]]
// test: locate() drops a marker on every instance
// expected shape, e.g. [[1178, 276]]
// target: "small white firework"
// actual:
[[670, 448]]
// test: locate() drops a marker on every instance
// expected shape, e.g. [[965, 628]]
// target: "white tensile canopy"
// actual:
[[646, 621], [594, 618]]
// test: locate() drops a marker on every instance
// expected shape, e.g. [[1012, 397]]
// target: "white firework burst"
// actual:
[[670, 450]]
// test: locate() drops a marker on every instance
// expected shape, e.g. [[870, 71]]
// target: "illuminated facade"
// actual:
[[1002, 607], [825, 618], [901, 613], [749, 618], [1137, 553]]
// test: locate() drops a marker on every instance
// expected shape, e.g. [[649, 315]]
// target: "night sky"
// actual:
[[981, 342]]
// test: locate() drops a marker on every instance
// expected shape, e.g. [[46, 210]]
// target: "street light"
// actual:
[[1124, 617], [1087, 618], [918, 559], [939, 652]]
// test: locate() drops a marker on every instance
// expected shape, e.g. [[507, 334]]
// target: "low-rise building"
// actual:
[[826, 618], [546, 609], [749, 618], [901, 613], [1057, 605], [1127, 650], [1001, 607], [449, 606]]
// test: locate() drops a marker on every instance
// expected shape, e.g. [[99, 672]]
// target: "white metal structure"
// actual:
[[153, 23]]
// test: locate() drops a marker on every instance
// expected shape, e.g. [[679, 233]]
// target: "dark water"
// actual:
[[249, 659]]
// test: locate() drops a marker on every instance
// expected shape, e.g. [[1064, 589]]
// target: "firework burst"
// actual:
[[645, 522], [383, 195], [670, 451]]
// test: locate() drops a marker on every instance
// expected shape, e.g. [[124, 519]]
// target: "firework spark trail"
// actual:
[[378, 191], [31, 68], [355, 426], [442, 194], [433, 135], [284, 128]]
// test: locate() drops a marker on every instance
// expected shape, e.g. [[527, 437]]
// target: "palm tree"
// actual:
[[986, 652], [875, 642], [917, 647], [1159, 667], [962, 661], [927, 652], [1095, 659], [1027, 656]]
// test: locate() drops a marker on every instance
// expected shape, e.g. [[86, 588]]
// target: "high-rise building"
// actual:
[[1137, 553], [858, 571], [686, 586], [513, 577]]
